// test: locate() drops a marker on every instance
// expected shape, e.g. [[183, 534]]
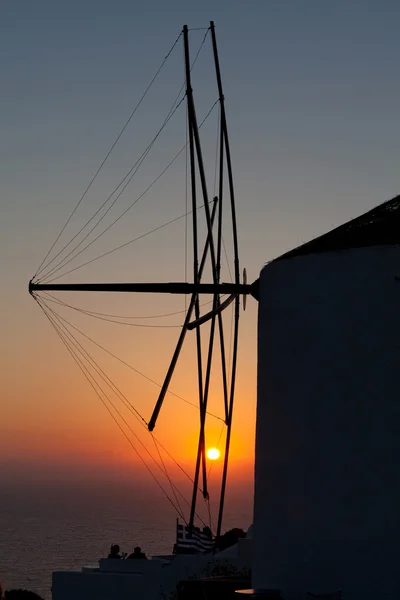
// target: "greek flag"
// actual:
[[194, 542]]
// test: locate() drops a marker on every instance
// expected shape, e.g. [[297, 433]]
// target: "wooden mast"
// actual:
[[225, 139]]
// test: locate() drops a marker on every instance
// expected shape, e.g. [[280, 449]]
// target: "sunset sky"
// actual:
[[312, 96]]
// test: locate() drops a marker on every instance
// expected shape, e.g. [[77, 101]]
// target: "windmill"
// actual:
[[211, 250]]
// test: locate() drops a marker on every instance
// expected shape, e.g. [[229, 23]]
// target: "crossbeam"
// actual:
[[150, 288]]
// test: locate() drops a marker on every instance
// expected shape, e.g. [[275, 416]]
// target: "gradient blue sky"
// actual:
[[312, 91]]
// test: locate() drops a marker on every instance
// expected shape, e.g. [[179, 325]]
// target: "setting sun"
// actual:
[[213, 453]]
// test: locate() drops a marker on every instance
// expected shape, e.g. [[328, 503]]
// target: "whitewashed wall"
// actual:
[[327, 489]]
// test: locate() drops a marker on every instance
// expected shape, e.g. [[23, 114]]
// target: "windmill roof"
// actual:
[[377, 227]]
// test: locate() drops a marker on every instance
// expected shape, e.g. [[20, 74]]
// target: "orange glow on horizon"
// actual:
[[55, 423]]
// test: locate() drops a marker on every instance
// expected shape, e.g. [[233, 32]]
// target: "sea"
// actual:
[[52, 526]]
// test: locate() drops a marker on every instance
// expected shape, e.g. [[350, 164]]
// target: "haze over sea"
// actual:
[[67, 525]]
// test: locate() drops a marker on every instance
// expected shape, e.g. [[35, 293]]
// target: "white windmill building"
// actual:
[[327, 485]]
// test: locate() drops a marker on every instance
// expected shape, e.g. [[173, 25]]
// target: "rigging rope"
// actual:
[[133, 203], [124, 183], [109, 153], [91, 312], [93, 384], [121, 396], [130, 366], [137, 199], [143, 235], [134, 411], [141, 159], [98, 369], [167, 476], [100, 372]]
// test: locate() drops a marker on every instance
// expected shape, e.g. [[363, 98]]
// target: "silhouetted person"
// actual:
[[137, 553], [207, 532], [229, 538], [114, 551]]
